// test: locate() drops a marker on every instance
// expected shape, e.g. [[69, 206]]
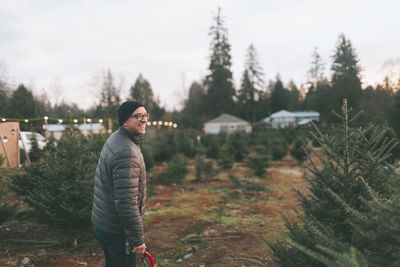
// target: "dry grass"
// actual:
[[216, 222]]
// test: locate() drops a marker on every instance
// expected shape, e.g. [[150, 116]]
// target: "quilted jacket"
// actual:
[[120, 188]]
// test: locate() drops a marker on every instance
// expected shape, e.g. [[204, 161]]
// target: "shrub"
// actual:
[[258, 164], [2, 159], [186, 144], [176, 171], [6, 207], [299, 150], [204, 169], [225, 160], [163, 146], [60, 188]]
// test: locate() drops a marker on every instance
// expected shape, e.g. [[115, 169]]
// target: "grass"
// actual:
[[224, 217]]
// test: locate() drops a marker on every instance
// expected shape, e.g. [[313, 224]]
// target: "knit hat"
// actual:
[[126, 109]]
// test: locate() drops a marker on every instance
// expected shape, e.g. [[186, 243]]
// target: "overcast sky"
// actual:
[[60, 47]]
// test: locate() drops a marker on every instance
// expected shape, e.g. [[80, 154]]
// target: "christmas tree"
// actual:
[[350, 217], [59, 187]]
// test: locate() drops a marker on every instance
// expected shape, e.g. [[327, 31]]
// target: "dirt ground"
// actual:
[[212, 223]]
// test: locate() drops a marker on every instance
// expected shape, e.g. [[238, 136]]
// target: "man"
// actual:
[[120, 188]]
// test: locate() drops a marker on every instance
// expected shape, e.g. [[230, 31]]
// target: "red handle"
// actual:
[[151, 260]]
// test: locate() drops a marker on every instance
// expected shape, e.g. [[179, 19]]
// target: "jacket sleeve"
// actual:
[[126, 174]]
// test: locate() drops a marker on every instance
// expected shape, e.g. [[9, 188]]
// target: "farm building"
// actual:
[[283, 118], [228, 124]]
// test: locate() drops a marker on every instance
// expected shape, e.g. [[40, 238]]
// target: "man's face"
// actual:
[[137, 121]]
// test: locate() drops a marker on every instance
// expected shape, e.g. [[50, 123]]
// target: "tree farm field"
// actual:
[[219, 222]]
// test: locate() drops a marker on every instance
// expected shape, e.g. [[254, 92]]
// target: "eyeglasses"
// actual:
[[141, 117]]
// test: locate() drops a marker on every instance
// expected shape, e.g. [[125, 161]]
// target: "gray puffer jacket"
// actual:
[[120, 188]]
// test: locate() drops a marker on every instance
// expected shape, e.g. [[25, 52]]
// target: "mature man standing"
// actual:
[[120, 188]]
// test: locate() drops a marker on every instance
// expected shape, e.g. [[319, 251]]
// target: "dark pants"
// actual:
[[114, 249]]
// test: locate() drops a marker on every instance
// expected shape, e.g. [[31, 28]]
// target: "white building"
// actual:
[[283, 118], [228, 124], [57, 130]]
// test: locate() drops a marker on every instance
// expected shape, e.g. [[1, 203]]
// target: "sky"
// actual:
[[62, 47]]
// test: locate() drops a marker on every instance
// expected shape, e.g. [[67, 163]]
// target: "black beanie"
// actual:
[[126, 109]]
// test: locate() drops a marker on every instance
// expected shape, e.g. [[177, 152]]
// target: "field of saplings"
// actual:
[[213, 200]]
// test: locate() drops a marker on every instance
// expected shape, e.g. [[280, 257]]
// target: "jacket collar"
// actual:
[[134, 138]]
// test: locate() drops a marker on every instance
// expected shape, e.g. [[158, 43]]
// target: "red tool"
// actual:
[[147, 259]]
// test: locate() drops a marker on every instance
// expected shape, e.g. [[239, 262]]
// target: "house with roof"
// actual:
[[57, 130], [228, 124], [284, 118]]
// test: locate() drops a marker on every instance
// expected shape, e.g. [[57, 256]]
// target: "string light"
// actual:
[[89, 120]]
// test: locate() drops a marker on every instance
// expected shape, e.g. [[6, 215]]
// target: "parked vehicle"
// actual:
[[26, 138]]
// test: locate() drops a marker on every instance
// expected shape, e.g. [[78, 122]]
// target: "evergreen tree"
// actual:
[[22, 104], [338, 213], [346, 83], [59, 188], [110, 98], [3, 100], [194, 112], [294, 98], [141, 91], [251, 86], [278, 97], [316, 72], [219, 83], [394, 117]]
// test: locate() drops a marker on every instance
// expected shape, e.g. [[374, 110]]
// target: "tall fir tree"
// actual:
[[219, 83], [194, 111], [251, 86], [110, 98], [336, 217], [346, 83], [279, 96], [316, 72]]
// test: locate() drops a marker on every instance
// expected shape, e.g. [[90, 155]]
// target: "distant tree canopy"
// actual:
[[110, 95], [219, 82], [142, 92], [346, 81], [22, 104]]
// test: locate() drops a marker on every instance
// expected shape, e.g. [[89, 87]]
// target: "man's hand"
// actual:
[[140, 250]]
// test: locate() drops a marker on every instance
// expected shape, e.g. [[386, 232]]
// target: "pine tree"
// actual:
[[339, 213], [141, 91], [110, 98], [251, 86], [346, 83], [395, 114], [316, 72], [59, 188], [22, 104], [219, 83], [194, 112], [279, 95]]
